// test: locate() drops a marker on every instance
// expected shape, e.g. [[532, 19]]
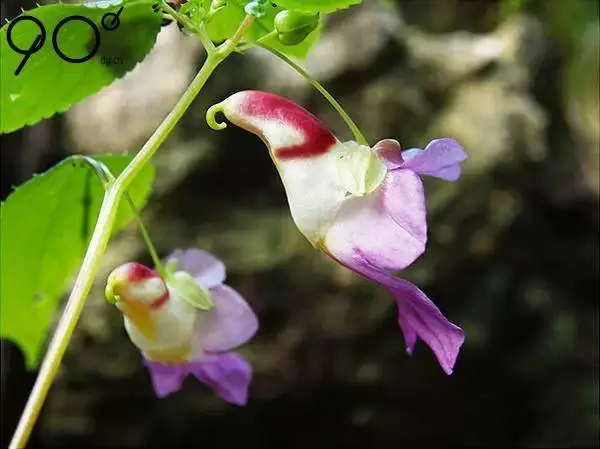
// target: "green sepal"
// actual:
[[190, 290]]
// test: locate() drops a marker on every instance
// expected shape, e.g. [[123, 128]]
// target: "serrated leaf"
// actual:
[[189, 290], [226, 21], [48, 84], [45, 225], [314, 6]]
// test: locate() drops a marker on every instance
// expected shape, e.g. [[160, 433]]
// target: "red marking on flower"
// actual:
[[318, 139], [161, 301], [138, 272]]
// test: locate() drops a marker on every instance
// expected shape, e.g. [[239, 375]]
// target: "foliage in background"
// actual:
[[45, 225]]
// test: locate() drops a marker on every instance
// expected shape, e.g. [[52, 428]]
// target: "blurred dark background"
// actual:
[[512, 254]]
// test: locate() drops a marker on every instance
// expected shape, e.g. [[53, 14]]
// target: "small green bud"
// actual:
[[293, 27]]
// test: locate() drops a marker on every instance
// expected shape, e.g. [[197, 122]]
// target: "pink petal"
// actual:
[[388, 227], [440, 158], [166, 379], [229, 375], [388, 231], [390, 152], [206, 268], [231, 323], [417, 314]]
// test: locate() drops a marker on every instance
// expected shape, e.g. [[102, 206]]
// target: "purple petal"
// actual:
[[166, 379], [231, 323], [206, 268], [410, 335], [417, 314], [229, 375], [388, 227], [440, 158]]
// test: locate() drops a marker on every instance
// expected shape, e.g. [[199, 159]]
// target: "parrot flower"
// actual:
[[363, 207], [188, 323]]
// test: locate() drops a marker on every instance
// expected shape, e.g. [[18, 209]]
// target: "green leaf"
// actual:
[[45, 226], [193, 8], [226, 21], [47, 83], [189, 290], [313, 6]]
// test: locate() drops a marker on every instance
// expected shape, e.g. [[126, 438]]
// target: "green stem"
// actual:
[[246, 46], [213, 10], [101, 236], [107, 178], [318, 86], [190, 25], [146, 236], [66, 325]]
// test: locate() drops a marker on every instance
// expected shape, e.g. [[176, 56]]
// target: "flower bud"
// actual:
[[293, 27]]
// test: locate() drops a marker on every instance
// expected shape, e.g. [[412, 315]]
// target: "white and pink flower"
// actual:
[[364, 207], [175, 336]]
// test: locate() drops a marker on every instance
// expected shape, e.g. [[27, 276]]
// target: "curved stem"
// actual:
[[198, 30], [107, 178], [64, 330], [228, 46], [165, 128], [247, 45], [318, 86], [213, 10], [146, 236], [101, 236]]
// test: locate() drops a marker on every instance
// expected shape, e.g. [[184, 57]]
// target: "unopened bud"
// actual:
[[293, 27]]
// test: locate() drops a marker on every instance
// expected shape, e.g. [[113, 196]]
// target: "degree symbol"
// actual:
[[111, 21]]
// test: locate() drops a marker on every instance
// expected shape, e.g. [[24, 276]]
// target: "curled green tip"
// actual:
[[211, 117], [102, 171], [109, 294]]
